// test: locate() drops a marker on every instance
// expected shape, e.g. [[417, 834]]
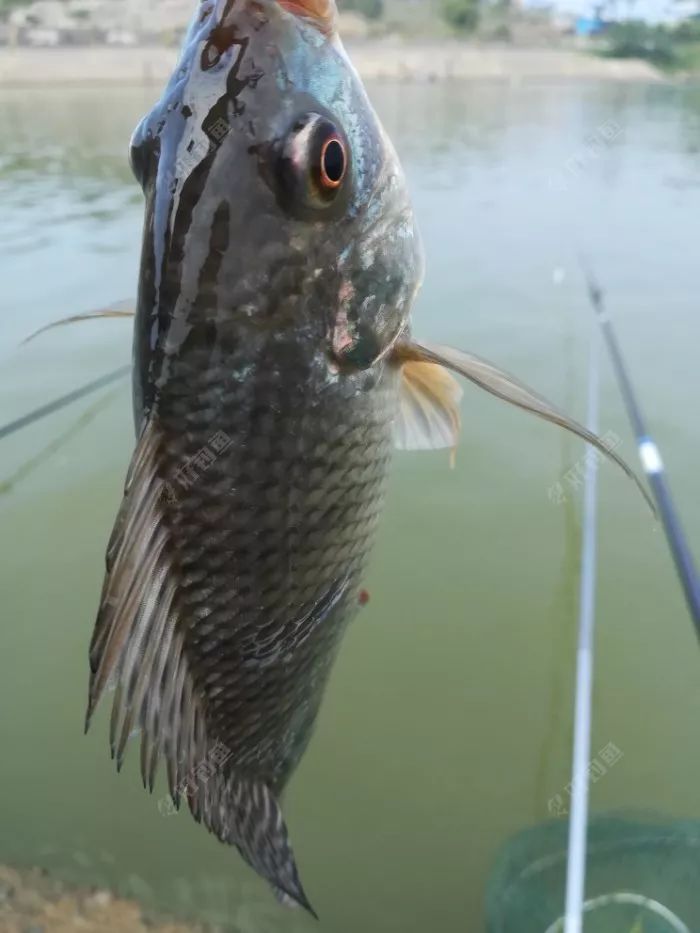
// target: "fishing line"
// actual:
[[37, 459], [64, 400], [578, 817], [650, 458]]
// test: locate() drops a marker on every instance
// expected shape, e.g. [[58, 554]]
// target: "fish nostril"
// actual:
[[257, 12], [210, 56]]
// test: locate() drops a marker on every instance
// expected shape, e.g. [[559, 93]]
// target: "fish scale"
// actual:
[[328, 543]]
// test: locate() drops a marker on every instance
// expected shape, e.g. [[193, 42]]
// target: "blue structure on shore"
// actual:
[[589, 25]]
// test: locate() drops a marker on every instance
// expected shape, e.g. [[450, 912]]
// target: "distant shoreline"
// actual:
[[22, 66]]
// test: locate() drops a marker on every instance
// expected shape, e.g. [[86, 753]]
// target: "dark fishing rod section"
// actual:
[[650, 457], [64, 400]]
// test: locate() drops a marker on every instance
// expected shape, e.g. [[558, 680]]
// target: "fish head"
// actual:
[[275, 202]]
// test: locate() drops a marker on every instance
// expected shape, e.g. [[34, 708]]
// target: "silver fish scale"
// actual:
[[269, 544]]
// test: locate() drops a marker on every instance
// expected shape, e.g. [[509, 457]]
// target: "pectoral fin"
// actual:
[[429, 400], [506, 387]]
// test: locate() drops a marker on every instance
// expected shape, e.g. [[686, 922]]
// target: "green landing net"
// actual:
[[642, 876]]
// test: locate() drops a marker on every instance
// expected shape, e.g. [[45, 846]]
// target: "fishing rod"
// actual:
[[650, 458], [64, 400], [578, 818]]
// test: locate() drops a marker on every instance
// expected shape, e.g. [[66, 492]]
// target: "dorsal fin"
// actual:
[[121, 309], [137, 643]]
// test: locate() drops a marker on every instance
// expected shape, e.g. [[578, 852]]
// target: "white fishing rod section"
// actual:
[[578, 817]]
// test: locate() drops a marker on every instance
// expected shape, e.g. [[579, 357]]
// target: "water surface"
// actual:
[[447, 725]]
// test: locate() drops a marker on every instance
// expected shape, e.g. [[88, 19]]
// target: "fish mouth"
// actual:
[[322, 13], [319, 13]]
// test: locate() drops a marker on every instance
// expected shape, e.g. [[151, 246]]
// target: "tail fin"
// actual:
[[247, 815]]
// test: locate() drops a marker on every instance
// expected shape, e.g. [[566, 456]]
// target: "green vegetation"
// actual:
[[675, 48], [636, 39], [427, 18], [461, 15]]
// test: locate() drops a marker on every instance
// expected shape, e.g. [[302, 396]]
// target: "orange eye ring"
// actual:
[[333, 163]]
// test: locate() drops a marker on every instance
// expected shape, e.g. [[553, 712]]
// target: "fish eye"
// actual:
[[143, 154], [138, 161], [314, 165]]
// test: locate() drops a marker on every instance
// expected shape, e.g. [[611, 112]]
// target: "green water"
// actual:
[[447, 725]]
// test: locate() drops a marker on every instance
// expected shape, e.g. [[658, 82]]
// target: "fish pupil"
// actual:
[[333, 162]]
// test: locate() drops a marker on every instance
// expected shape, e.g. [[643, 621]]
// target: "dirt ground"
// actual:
[[32, 901]]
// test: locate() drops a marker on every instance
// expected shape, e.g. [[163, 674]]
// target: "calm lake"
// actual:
[[447, 725]]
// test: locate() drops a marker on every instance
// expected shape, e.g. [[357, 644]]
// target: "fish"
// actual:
[[274, 374]]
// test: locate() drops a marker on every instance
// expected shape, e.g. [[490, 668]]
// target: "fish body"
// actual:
[[273, 373], [264, 403]]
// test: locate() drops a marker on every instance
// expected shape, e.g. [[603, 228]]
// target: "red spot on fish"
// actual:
[[342, 339], [363, 597]]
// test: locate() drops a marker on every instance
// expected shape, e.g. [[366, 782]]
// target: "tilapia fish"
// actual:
[[274, 372]]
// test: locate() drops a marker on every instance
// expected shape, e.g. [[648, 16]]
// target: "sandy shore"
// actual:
[[22, 67], [31, 901]]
